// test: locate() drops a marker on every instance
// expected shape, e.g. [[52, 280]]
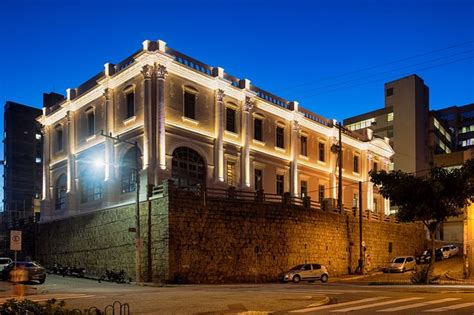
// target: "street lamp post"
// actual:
[[138, 240]]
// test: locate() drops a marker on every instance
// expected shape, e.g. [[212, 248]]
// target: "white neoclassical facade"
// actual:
[[193, 123]]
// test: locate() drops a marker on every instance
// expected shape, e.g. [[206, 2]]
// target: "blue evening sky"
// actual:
[[309, 51]]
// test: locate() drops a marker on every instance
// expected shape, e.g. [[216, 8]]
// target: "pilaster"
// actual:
[[220, 135], [246, 138], [110, 184], [161, 73], [46, 195], [149, 154], [294, 139]]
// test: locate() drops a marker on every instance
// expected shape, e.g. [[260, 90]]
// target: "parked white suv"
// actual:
[[449, 251], [308, 272]]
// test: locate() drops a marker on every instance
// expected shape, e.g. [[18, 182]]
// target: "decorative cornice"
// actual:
[[160, 71], [147, 72], [220, 95], [248, 106]]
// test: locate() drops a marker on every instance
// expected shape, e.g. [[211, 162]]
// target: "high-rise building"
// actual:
[[415, 133], [22, 161]]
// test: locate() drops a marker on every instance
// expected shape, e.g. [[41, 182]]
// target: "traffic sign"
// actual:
[[15, 240]]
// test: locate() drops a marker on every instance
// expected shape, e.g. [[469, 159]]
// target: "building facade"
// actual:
[[22, 162], [415, 133], [195, 124]]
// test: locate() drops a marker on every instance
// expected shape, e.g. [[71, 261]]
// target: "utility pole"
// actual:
[[361, 252], [138, 240], [339, 156]]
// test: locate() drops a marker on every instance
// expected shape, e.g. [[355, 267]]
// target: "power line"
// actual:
[[385, 78], [380, 65], [389, 71]]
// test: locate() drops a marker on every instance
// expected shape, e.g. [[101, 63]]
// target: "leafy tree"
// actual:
[[430, 199]]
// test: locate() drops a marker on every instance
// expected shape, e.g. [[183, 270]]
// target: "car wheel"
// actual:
[[404, 269], [296, 278], [324, 278], [42, 281]]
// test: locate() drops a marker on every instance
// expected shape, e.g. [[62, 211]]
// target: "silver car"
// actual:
[[401, 264], [306, 272]]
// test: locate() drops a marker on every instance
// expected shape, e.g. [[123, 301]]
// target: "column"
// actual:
[[149, 155], [246, 137], [220, 135], [161, 74], [294, 139], [370, 186]]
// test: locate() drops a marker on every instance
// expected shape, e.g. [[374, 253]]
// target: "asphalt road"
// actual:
[[303, 298]]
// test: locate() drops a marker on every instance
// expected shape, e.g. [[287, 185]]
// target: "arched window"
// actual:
[[91, 183], [128, 172], [188, 167], [60, 192]]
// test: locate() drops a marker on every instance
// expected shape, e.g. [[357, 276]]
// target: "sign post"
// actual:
[[15, 242]]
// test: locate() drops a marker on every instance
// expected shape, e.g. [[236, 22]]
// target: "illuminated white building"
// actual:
[[195, 124]]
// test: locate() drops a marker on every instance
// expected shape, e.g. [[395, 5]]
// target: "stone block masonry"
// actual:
[[236, 241], [189, 239]]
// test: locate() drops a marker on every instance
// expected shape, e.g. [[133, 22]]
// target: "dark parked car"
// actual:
[[425, 258], [34, 270]]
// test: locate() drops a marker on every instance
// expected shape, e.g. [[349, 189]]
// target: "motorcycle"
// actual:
[[113, 276]]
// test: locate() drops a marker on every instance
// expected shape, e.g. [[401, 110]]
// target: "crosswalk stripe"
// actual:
[[451, 307], [355, 308], [306, 310], [404, 307]]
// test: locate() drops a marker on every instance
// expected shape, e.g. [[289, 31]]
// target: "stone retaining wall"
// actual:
[[227, 241], [220, 241]]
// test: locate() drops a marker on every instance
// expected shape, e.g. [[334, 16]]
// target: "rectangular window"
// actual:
[[321, 151], [231, 173], [258, 174], [375, 205], [390, 117], [230, 119], [258, 129], [130, 105], [59, 139], [356, 164], [90, 123], [321, 193], [304, 146], [280, 137], [376, 166], [279, 184], [389, 92], [304, 188], [189, 105]]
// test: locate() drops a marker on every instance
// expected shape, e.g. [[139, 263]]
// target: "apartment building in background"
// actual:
[[415, 133], [420, 137], [194, 124], [22, 162]]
